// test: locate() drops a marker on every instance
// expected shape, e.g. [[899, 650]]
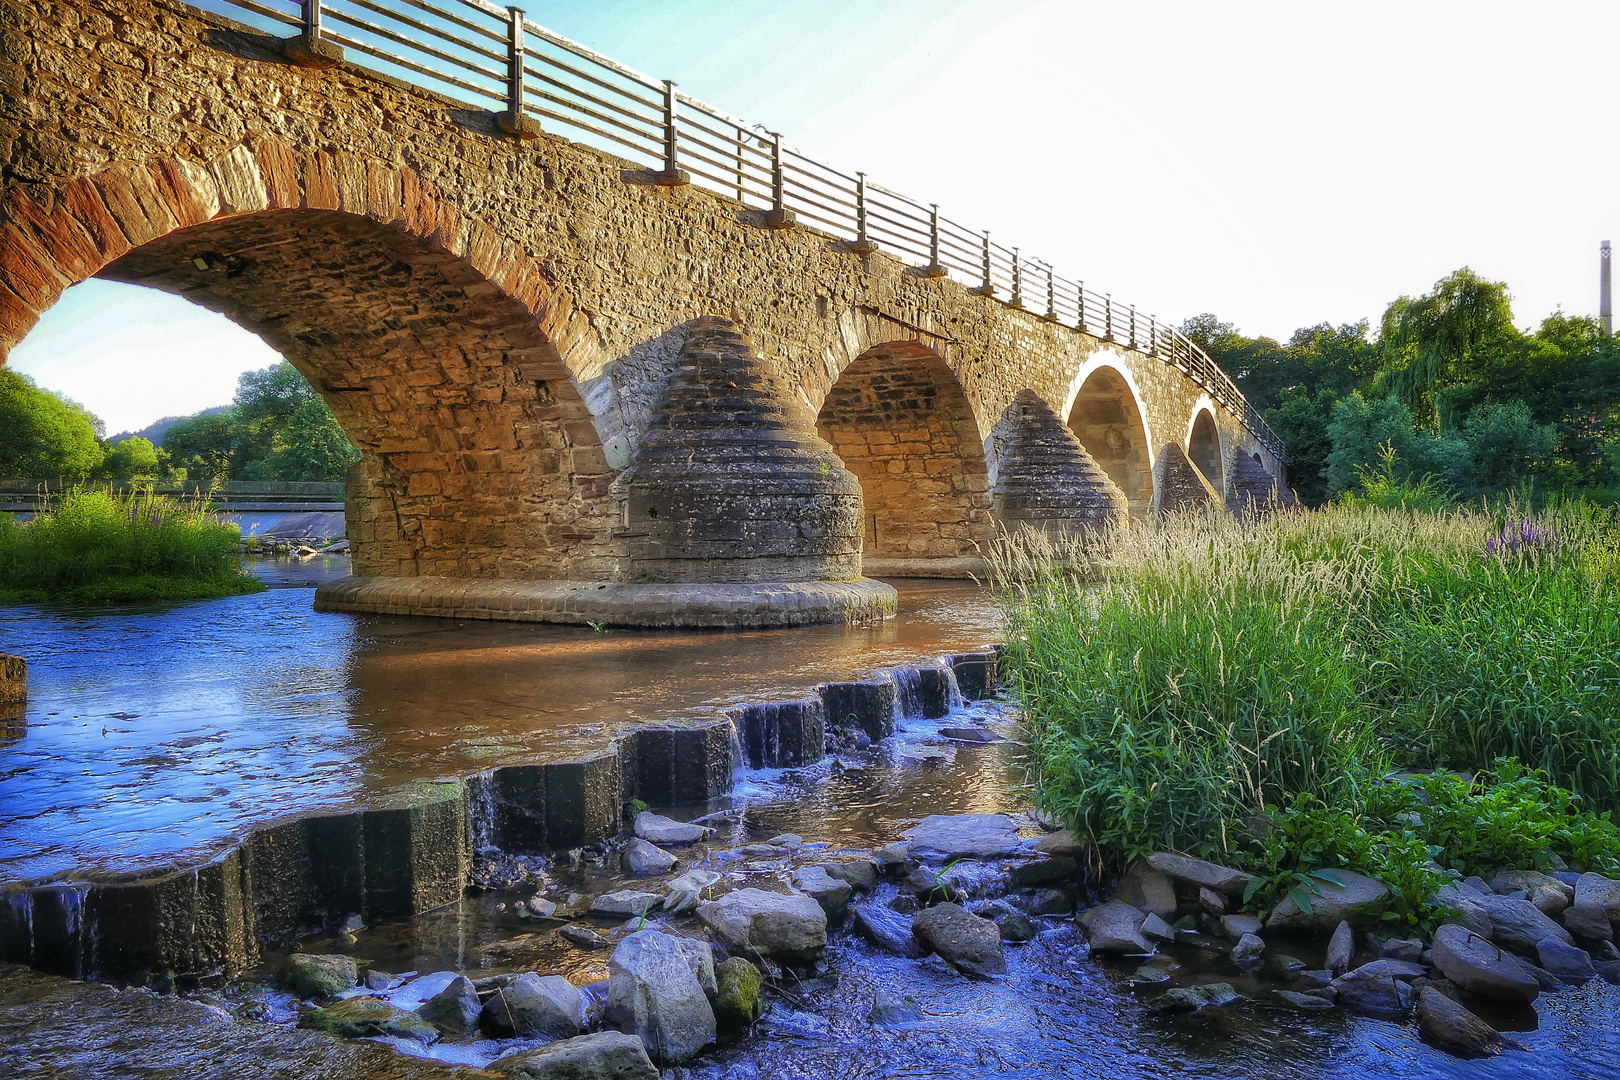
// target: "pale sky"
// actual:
[[1278, 164]]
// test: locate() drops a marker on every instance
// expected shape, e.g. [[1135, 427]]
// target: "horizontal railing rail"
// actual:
[[493, 57], [255, 488]]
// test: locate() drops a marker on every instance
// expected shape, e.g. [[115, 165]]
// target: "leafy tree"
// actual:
[[1438, 340], [44, 435], [277, 428], [1360, 431], [1301, 421], [133, 459], [203, 446], [1501, 448]]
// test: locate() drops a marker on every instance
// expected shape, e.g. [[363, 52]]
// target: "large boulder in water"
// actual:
[[653, 994], [1356, 899], [737, 999], [1483, 968], [660, 830], [530, 1005], [768, 924], [453, 1010], [971, 944], [607, 1055], [1207, 875], [1116, 927], [1519, 925], [1451, 1027], [948, 837], [365, 1017], [310, 976]]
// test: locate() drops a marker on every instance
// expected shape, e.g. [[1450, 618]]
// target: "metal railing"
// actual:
[[493, 57]]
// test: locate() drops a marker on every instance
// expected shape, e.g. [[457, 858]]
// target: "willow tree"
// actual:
[[1436, 340]]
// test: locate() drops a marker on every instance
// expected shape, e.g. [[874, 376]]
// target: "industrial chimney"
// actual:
[[1605, 291]]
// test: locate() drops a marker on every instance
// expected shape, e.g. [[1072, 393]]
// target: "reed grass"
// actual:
[[99, 546]]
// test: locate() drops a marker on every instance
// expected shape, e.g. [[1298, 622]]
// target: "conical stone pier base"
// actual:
[[1048, 482]]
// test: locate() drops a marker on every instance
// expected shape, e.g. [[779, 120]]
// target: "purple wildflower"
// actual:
[[1517, 536]]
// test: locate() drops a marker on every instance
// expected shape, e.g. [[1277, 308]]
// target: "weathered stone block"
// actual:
[[858, 706]]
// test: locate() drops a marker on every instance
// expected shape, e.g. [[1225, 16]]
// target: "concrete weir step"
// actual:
[[413, 852]]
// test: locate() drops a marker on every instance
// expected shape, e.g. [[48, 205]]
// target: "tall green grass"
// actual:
[[1226, 668], [98, 546]]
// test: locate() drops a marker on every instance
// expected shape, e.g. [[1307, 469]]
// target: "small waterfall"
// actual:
[[739, 757], [908, 694], [481, 812], [953, 690]]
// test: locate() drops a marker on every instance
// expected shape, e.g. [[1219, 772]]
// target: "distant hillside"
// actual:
[[154, 433]]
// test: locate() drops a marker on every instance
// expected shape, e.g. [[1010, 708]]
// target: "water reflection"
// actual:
[[157, 731]]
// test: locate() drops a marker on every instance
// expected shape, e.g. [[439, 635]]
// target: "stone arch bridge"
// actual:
[[578, 392]]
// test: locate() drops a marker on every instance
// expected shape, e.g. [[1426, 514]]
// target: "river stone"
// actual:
[[606, 1055], [1212, 902], [1357, 900], [582, 936], [1043, 871], [1480, 967], [737, 1000], [888, 1010], [948, 837], [1519, 925], [530, 1005], [888, 929], [1150, 890], [1375, 990], [1307, 1002], [657, 829], [1236, 926], [624, 904], [686, 891], [1469, 907], [1062, 842], [1249, 947], [1588, 922], [1157, 929], [1198, 872], [643, 859], [364, 1017], [1395, 948], [700, 958], [1188, 998], [1116, 927], [831, 893], [1546, 892], [653, 994], [1599, 890], [1448, 1025], [768, 924], [1565, 960], [861, 874], [453, 1010], [311, 976], [1015, 927], [971, 944]]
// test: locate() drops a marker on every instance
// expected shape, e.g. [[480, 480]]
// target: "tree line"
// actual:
[[1448, 396], [276, 428]]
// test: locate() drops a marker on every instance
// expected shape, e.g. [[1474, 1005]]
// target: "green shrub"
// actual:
[[97, 546]]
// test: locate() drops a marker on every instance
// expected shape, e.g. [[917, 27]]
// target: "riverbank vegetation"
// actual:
[[1262, 692], [97, 546]]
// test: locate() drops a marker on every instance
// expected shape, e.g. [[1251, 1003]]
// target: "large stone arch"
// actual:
[[1104, 410], [1204, 446], [433, 340], [901, 422]]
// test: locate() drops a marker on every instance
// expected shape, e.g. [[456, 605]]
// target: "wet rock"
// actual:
[[1308, 1002], [1318, 976], [971, 944], [1248, 949], [624, 904], [1212, 902], [686, 891], [1198, 872], [1469, 907], [1375, 990], [969, 735], [887, 929], [1610, 970], [1357, 900], [1588, 922], [453, 1010], [643, 859], [1281, 965], [861, 874], [1519, 925], [700, 958], [833, 894], [378, 980], [892, 857], [1565, 960], [311, 976], [1015, 927], [1150, 890], [771, 924], [1395, 948], [889, 1010], [663, 831], [947, 837], [1482, 968], [582, 936], [737, 999], [1050, 902], [786, 841], [1042, 871], [1547, 893], [606, 1055], [1478, 884], [1062, 842], [1451, 1027], [653, 994], [1189, 998], [1237, 926], [364, 1017], [905, 903], [1601, 891], [530, 1006], [1116, 927], [1157, 929]]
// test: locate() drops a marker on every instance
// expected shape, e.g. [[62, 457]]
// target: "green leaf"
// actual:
[[1330, 876], [1302, 900], [1254, 886]]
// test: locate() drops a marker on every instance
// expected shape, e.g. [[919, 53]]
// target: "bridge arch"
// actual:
[[901, 422], [1204, 447], [1104, 410], [434, 342]]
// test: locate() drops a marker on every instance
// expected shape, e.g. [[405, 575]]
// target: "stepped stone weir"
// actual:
[[731, 484], [1252, 489], [1047, 481]]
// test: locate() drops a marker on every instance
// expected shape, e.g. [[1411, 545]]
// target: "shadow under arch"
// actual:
[[900, 421], [1204, 448], [431, 339], [1105, 418]]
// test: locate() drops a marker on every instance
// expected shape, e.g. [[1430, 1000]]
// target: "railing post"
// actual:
[[1080, 299], [1133, 326], [778, 216], [863, 244], [309, 49], [1108, 315], [933, 269], [514, 121], [741, 191], [986, 287], [1153, 336], [672, 174], [1051, 297], [1017, 300]]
